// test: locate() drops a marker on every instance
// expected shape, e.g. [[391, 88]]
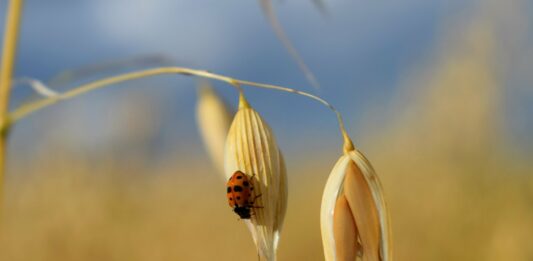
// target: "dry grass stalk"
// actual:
[[214, 119], [252, 149], [268, 9], [8, 53], [6, 72], [353, 193]]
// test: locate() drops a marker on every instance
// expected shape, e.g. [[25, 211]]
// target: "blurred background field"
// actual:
[[438, 94]]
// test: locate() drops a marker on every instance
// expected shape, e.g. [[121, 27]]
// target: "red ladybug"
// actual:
[[239, 193]]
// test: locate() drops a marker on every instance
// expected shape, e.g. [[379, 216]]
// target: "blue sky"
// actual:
[[360, 53]]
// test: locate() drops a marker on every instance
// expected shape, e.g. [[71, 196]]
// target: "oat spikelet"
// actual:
[[251, 148], [214, 119], [354, 217]]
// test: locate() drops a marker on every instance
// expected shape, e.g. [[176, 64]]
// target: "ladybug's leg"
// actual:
[[252, 202], [257, 196]]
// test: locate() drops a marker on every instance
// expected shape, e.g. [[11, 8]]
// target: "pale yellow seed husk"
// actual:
[[214, 119], [283, 194], [329, 199], [251, 148], [345, 230], [354, 178], [376, 189], [363, 207]]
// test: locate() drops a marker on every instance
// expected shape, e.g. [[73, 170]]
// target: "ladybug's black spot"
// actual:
[[246, 184], [229, 189], [239, 177], [251, 189], [237, 188], [231, 199], [238, 198]]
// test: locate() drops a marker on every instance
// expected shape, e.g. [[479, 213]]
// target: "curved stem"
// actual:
[[27, 109], [348, 144]]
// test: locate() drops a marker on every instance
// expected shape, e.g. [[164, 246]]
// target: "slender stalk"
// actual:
[[27, 109], [6, 71], [268, 9]]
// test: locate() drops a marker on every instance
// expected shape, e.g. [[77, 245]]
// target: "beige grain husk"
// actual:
[[251, 147], [353, 193], [214, 119]]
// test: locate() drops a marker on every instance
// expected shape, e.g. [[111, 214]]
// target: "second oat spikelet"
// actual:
[[354, 217], [251, 148]]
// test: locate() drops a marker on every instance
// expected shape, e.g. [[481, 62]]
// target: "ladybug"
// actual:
[[239, 194]]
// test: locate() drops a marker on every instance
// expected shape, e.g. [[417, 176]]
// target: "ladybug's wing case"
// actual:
[[230, 195], [238, 190], [229, 190], [240, 196], [246, 184]]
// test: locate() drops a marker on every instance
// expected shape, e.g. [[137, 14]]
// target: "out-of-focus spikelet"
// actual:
[[251, 148], [214, 119], [353, 194]]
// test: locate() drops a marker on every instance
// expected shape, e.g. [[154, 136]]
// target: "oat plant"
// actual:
[[354, 217]]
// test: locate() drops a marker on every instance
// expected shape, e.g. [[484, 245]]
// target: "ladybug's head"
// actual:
[[243, 212]]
